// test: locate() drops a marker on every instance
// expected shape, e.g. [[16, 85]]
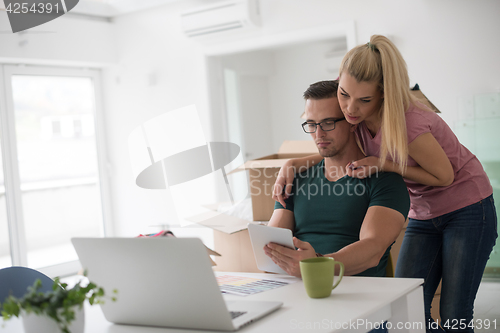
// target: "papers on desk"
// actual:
[[244, 286]]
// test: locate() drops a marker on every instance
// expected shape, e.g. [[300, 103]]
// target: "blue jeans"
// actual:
[[453, 247]]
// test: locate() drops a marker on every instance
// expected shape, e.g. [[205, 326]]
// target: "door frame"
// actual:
[[17, 239]]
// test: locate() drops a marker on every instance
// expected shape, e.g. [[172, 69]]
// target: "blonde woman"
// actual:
[[452, 221]]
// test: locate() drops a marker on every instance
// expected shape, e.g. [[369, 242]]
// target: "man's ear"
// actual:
[[353, 127]]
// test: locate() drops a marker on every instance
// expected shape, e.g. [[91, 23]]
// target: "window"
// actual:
[[477, 129], [5, 258], [53, 161]]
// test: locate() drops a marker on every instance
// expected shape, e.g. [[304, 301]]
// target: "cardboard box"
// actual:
[[263, 172], [236, 252], [418, 94], [231, 241], [435, 308], [397, 246]]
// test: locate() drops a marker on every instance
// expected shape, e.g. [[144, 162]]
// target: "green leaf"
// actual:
[[57, 304]]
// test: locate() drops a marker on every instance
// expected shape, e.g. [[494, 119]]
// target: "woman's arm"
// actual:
[[287, 173], [434, 166]]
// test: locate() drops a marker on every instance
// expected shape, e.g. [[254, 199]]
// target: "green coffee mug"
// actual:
[[318, 276]]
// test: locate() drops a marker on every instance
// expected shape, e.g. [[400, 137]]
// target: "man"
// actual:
[[331, 214]]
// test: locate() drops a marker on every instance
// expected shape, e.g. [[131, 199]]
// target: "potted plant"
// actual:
[[59, 309]]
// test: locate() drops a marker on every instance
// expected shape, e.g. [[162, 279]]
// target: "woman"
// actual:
[[452, 221]]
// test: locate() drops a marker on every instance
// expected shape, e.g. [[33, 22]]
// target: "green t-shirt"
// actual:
[[329, 215]]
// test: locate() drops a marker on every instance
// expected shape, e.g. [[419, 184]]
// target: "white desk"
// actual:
[[355, 304]]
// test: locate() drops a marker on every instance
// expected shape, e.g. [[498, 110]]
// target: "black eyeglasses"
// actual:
[[326, 125]]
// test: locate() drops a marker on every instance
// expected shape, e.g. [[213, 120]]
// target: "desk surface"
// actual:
[[354, 305]]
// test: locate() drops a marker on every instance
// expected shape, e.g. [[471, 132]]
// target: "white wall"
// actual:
[[158, 70], [64, 41], [296, 68], [271, 84], [253, 70]]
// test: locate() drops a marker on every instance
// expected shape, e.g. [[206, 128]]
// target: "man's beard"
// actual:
[[327, 152]]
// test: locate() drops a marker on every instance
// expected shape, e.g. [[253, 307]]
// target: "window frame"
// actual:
[[17, 238]]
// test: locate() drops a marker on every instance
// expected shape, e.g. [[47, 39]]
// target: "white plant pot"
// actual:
[[44, 324]]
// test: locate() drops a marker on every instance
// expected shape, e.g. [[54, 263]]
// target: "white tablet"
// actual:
[[260, 235]]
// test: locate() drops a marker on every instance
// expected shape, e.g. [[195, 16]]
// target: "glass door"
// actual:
[[5, 234], [5, 257], [55, 165]]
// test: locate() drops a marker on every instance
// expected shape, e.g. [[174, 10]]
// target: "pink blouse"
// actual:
[[471, 183]]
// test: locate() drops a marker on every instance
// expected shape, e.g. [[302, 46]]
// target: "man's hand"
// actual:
[[289, 259]]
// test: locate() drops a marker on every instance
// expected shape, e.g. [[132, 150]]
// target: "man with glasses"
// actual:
[[331, 214]]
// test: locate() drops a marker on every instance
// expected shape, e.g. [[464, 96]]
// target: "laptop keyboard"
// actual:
[[236, 314]]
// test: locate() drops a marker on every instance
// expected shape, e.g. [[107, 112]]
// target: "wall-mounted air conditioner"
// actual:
[[222, 16]]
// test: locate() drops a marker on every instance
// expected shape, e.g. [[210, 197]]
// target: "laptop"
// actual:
[[164, 282]]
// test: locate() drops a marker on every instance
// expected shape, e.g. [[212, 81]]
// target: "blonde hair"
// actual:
[[380, 61]]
